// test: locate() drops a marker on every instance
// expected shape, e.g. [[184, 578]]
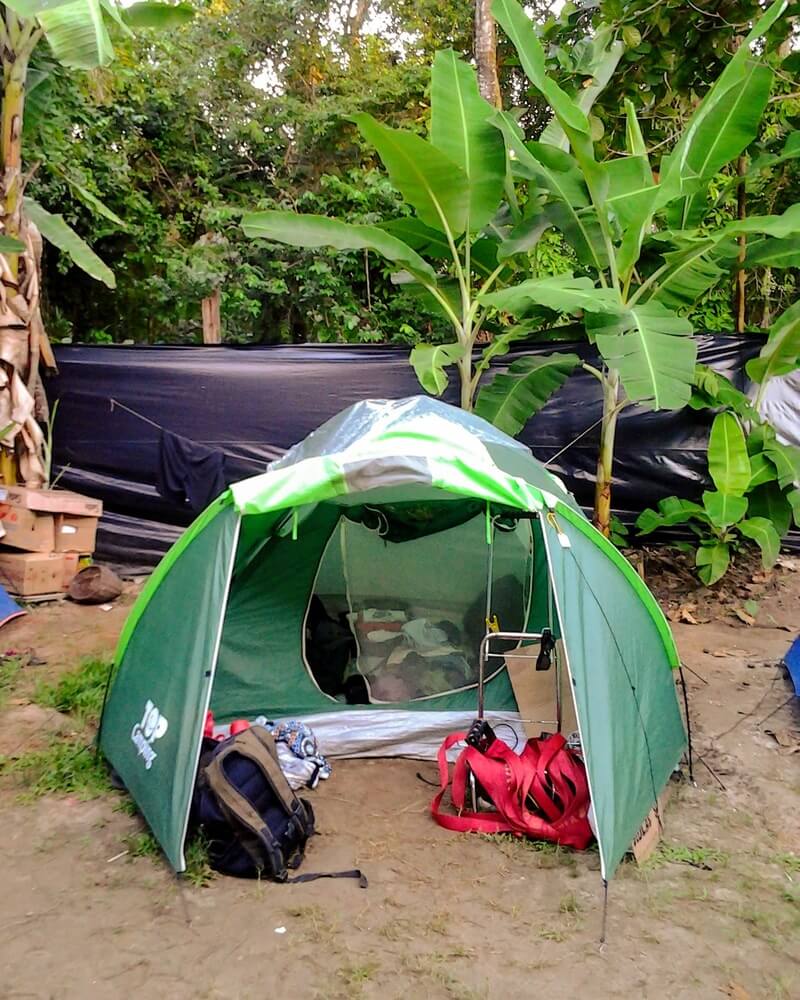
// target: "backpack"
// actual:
[[541, 792], [255, 825]]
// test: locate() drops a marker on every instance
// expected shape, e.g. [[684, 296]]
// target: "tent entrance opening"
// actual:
[[399, 605]]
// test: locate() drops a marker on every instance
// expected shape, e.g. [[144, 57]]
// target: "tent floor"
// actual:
[[445, 916]]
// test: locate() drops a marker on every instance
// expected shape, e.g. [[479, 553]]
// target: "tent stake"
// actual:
[[688, 723], [605, 913]]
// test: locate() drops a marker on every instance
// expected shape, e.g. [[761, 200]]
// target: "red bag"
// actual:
[[541, 793]]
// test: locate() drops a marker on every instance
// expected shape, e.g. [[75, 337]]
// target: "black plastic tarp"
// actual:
[[253, 403]]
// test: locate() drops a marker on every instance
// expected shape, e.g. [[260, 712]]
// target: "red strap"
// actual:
[[550, 774], [466, 821]]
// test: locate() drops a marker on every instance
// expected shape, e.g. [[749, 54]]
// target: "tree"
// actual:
[[673, 51], [633, 229], [246, 105], [636, 227], [78, 36]]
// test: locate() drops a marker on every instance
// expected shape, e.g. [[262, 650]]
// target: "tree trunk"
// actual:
[[354, 22], [21, 330], [605, 457], [486, 53], [212, 328], [465, 377]]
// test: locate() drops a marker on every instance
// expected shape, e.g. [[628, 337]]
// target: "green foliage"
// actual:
[[510, 398], [10, 667], [620, 533], [79, 692], [750, 502], [429, 362], [176, 145], [64, 767], [199, 872], [673, 51], [142, 844], [679, 854], [781, 353]]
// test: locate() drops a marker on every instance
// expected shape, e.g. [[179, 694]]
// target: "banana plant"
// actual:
[[635, 228], [483, 196], [79, 36], [754, 499], [781, 352], [466, 234]]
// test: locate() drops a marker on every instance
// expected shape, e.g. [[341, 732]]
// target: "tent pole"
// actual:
[[211, 673], [559, 706], [489, 626], [584, 746]]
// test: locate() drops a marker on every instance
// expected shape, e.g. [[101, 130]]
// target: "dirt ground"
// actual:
[[716, 913]]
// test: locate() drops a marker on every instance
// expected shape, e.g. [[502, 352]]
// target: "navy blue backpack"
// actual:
[[254, 824]]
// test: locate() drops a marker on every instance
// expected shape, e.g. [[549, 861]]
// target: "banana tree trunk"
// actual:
[[486, 53], [465, 378], [605, 458], [21, 449]]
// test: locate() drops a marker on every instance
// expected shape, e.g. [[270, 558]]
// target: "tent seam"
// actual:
[[211, 679], [603, 868], [156, 578], [637, 584]]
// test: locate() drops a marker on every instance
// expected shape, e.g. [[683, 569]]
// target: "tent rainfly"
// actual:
[[350, 586]]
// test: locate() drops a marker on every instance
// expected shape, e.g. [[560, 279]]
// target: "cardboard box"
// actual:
[[71, 563], [51, 501], [75, 534], [25, 529], [28, 574]]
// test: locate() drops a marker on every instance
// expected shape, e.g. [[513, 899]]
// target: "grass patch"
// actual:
[[315, 924], [678, 854], [553, 934], [789, 862], [79, 692], [66, 767], [199, 872], [569, 904], [548, 854], [356, 975], [142, 845], [10, 667]]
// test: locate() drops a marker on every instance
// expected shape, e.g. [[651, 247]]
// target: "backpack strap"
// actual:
[[313, 876]]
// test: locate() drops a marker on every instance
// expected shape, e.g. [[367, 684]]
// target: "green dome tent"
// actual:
[[390, 525]]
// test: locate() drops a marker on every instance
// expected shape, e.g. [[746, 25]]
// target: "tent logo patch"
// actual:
[[145, 733]]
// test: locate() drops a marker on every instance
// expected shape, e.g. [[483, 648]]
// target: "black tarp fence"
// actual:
[[253, 403]]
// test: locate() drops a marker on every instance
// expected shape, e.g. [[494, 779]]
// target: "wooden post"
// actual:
[[212, 329], [741, 274]]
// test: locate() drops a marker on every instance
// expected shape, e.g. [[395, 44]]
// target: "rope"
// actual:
[[575, 440], [134, 413]]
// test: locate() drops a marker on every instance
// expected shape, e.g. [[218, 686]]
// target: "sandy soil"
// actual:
[[444, 916]]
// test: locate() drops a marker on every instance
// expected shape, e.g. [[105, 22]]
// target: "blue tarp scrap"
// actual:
[[8, 609], [792, 661]]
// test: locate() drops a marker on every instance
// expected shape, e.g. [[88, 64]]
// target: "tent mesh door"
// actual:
[[404, 619]]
